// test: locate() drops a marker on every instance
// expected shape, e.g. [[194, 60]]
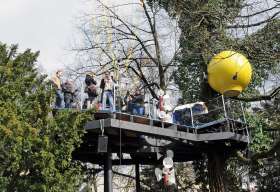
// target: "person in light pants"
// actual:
[[56, 81]]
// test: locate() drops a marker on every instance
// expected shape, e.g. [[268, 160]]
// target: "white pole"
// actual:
[[224, 106], [149, 106], [192, 117], [114, 100], [245, 121], [81, 97]]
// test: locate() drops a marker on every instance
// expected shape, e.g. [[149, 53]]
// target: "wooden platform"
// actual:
[[143, 138]]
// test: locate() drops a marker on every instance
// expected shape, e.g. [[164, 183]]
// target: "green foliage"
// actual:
[[203, 26], [234, 175], [35, 146], [204, 33], [266, 170], [201, 173], [260, 139]]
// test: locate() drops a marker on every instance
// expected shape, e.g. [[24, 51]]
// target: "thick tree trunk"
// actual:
[[216, 171]]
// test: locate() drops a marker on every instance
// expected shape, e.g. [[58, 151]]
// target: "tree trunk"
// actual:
[[161, 78], [216, 171]]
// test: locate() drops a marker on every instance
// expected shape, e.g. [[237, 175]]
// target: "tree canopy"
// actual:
[[35, 146], [209, 27]]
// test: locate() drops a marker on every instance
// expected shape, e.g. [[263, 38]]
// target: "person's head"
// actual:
[[137, 92], [59, 73], [107, 74], [69, 82], [90, 74], [180, 101]]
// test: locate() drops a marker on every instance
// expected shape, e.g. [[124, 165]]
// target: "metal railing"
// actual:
[[219, 108]]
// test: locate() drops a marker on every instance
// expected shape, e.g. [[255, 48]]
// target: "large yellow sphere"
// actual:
[[229, 73]]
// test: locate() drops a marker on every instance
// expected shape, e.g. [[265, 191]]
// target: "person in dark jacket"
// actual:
[[138, 103], [127, 101], [68, 91], [90, 90]]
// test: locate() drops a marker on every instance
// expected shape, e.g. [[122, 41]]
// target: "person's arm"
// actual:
[[86, 81], [63, 87], [86, 89], [139, 99], [114, 82], [113, 79], [93, 81], [102, 84]]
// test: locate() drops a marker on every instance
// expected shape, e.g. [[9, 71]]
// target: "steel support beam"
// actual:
[[137, 177], [108, 173], [160, 132]]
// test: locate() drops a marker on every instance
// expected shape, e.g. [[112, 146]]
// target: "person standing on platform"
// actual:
[[56, 80], [107, 86], [138, 103], [68, 90], [90, 90], [127, 101]]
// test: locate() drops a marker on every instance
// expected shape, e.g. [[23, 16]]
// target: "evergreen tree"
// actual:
[[35, 147]]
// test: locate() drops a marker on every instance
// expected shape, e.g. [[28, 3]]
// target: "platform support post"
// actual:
[[224, 107], [114, 98], [193, 120], [137, 177], [108, 173], [225, 113]]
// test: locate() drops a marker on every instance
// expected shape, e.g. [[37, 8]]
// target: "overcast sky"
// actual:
[[44, 25], [48, 26]]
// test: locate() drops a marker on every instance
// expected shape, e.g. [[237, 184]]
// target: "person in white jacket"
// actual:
[[56, 80]]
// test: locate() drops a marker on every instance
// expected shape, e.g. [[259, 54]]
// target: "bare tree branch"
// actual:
[[259, 12], [131, 31], [274, 150], [257, 23], [260, 98]]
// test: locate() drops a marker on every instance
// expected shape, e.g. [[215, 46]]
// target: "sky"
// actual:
[[47, 26]]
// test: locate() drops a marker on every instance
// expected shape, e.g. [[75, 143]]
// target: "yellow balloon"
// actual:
[[229, 73]]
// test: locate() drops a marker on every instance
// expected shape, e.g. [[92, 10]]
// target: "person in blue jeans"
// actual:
[[107, 86], [59, 99], [137, 103], [68, 91]]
